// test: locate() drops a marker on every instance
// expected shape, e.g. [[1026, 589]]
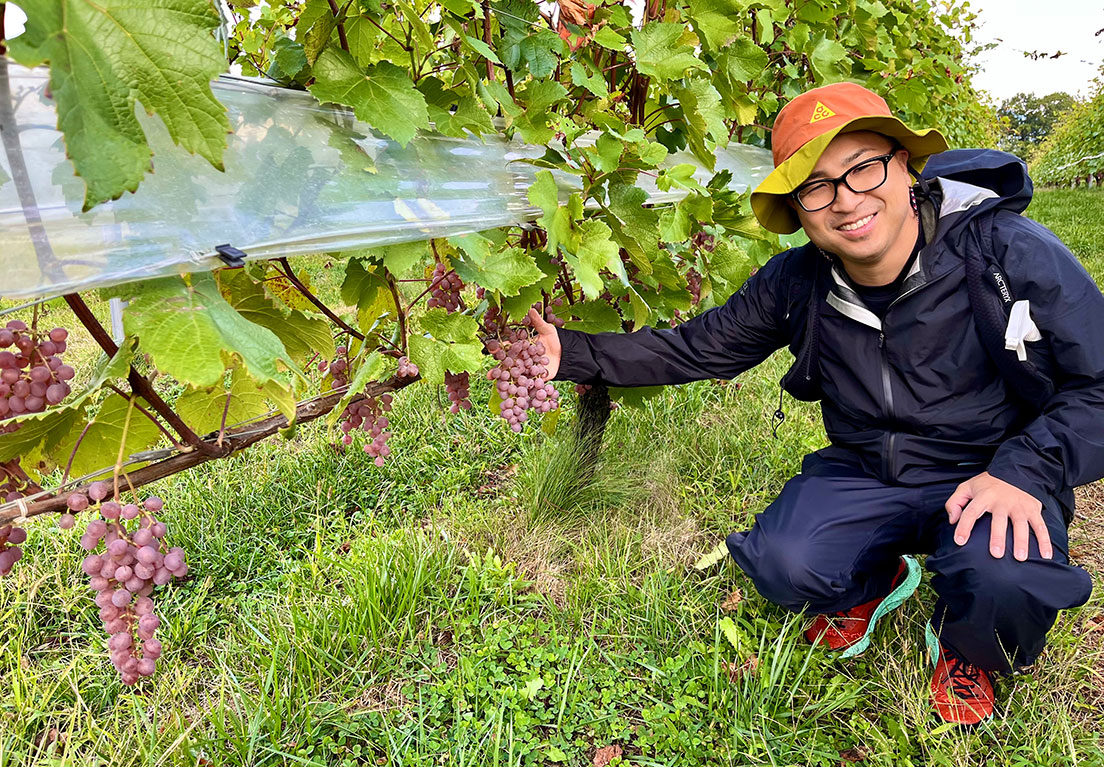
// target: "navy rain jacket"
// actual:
[[913, 398]]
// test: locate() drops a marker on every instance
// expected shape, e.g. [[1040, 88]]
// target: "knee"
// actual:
[[791, 572]]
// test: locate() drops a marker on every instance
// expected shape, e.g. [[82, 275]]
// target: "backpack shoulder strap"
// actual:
[[991, 300]]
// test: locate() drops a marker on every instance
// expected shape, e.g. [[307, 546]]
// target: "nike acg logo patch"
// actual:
[[821, 112]]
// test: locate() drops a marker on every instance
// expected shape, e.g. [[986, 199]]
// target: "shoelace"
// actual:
[[965, 678]]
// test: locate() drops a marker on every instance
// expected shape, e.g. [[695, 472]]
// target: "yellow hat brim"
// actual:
[[770, 200]]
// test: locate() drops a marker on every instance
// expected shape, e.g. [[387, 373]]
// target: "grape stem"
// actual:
[[147, 414], [73, 453], [340, 25], [233, 443], [398, 309], [307, 294]]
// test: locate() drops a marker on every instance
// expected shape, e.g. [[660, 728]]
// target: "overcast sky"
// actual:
[[1019, 25], [1039, 25]]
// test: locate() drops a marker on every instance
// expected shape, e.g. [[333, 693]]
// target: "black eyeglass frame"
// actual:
[[835, 182]]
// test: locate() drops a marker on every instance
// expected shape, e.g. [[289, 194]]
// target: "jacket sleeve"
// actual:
[[719, 343], [1064, 445]]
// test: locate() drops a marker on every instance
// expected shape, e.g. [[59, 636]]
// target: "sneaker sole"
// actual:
[[931, 644], [894, 600]]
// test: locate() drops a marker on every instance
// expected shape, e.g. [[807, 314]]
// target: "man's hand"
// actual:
[[547, 334], [985, 494]]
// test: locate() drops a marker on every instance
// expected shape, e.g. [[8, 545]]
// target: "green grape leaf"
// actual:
[[665, 51], [596, 251], [398, 258], [719, 21], [481, 48], [731, 264], [674, 224], [363, 36], [538, 98], [202, 409], [318, 33], [470, 115], [453, 328], [701, 106], [381, 95], [116, 424], [606, 153], [743, 60], [507, 270], [193, 334], [107, 55], [829, 61], [301, 335], [610, 40], [367, 290], [593, 82], [594, 317], [433, 357], [289, 56]]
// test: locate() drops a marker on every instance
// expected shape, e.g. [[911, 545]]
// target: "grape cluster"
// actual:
[[694, 284], [457, 389], [368, 414], [32, 374], [133, 561], [445, 291], [339, 367], [520, 377], [10, 553], [407, 369]]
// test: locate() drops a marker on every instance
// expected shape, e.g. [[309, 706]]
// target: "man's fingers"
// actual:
[[966, 521], [998, 533], [538, 321], [1021, 537], [957, 502], [1042, 535]]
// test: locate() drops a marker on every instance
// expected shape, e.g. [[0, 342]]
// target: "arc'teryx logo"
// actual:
[[1002, 286]]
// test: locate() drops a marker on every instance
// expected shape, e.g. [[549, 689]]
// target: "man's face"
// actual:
[[861, 228]]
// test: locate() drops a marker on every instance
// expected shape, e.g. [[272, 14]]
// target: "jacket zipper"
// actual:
[[887, 391]]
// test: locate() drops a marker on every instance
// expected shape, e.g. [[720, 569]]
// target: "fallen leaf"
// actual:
[[732, 601], [737, 671], [605, 755], [857, 754]]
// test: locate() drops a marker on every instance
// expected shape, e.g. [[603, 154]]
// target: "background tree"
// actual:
[[1027, 119]]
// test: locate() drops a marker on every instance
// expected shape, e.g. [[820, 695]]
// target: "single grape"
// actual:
[[98, 491], [121, 598]]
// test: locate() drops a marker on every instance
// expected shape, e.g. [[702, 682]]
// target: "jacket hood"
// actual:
[[1002, 174]]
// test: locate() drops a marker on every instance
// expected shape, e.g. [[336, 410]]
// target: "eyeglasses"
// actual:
[[867, 176]]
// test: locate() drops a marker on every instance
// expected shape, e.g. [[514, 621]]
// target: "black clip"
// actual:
[[231, 256]]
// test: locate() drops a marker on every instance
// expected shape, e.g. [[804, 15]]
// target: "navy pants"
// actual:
[[832, 539]]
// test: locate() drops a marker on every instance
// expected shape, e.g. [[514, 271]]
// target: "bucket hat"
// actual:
[[804, 129]]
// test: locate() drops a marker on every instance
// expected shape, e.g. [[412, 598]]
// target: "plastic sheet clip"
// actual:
[[231, 256]]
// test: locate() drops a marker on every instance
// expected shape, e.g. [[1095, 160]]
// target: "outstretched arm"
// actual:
[[720, 343]]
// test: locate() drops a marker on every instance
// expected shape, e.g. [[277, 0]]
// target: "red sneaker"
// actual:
[[961, 692], [850, 630]]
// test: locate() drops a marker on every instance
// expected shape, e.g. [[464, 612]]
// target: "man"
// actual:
[[933, 449]]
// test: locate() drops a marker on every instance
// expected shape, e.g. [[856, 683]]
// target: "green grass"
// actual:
[[468, 605]]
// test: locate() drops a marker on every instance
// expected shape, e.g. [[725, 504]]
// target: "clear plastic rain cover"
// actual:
[[300, 178]]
